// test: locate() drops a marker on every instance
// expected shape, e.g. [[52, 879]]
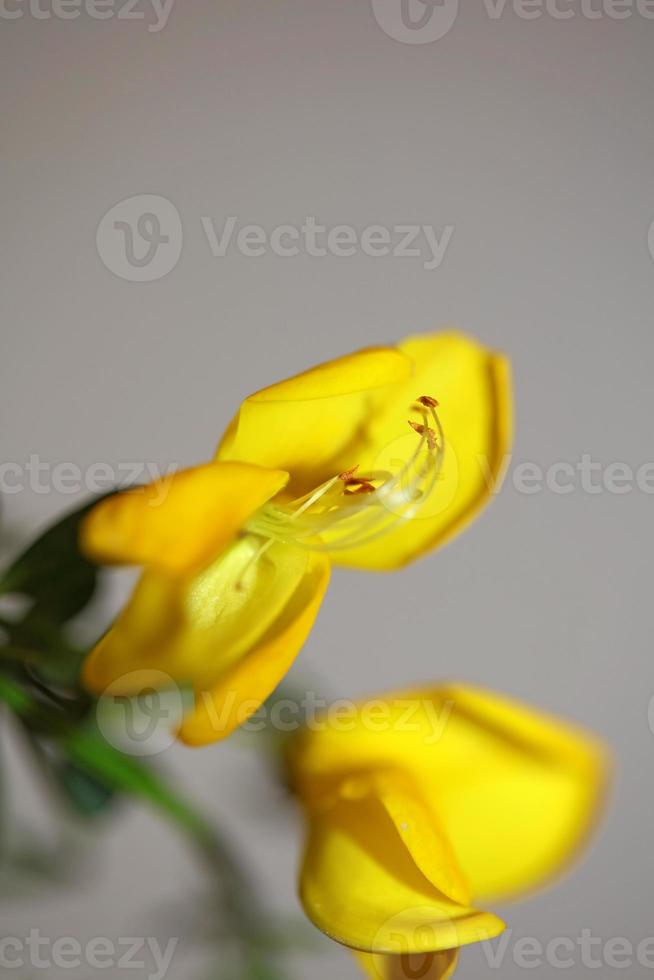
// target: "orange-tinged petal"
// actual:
[[182, 522]]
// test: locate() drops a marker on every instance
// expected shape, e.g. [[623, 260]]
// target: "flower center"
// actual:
[[353, 508]]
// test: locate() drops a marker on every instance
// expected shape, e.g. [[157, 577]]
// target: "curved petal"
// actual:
[[305, 424], [426, 966], [539, 783], [181, 522], [246, 685], [418, 824], [516, 791], [202, 632], [473, 388], [360, 885]]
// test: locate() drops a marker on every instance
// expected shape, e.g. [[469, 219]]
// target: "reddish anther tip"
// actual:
[[424, 430], [358, 488]]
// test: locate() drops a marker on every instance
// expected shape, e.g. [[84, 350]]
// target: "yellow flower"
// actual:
[[424, 805], [321, 468]]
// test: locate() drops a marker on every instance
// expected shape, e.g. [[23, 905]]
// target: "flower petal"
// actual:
[[516, 792], [305, 424], [427, 966], [234, 628], [181, 522], [245, 686], [473, 388], [361, 886], [418, 824]]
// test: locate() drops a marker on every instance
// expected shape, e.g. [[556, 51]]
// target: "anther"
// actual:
[[355, 484], [355, 487], [352, 509], [424, 430]]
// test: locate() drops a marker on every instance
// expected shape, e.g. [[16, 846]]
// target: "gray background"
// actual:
[[534, 139]]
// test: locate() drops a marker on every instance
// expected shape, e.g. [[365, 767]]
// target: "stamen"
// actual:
[[354, 487], [425, 430], [240, 585], [349, 510]]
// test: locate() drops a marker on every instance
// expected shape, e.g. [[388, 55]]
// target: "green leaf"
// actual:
[[93, 771], [87, 794], [84, 748], [89, 752], [53, 572]]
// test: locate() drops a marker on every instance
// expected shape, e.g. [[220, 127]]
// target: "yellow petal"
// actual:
[[250, 681], [233, 629], [426, 966], [473, 388], [516, 791], [418, 825], [360, 885], [305, 424], [181, 522]]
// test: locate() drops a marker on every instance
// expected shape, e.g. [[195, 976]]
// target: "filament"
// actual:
[[349, 510]]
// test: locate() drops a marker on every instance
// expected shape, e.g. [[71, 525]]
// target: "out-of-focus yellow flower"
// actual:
[[428, 804], [321, 468]]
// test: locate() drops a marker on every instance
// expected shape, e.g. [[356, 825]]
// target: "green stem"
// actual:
[[129, 776]]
